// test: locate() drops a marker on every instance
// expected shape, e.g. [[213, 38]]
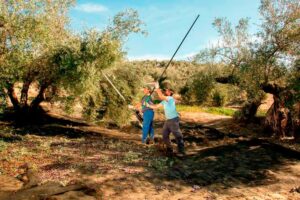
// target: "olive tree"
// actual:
[[38, 48], [261, 63]]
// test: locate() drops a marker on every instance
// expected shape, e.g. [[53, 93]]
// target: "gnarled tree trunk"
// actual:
[[249, 110], [297, 122], [24, 94], [279, 118], [24, 112], [39, 98]]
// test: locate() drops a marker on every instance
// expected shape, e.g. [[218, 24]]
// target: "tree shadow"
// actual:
[[247, 163], [52, 130], [9, 137], [46, 125], [93, 153], [37, 119], [242, 163]]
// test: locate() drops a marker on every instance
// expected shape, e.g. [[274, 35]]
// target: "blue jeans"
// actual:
[[148, 116]]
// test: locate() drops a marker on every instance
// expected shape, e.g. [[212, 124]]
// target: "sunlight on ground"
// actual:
[[218, 165]]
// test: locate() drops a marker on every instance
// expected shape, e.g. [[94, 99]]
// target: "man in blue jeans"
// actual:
[[148, 115], [172, 120]]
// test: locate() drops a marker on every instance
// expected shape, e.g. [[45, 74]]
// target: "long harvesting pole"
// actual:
[[119, 93], [176, 50], [136, 112]]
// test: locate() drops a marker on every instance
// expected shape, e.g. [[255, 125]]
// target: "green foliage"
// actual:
[[3, 145], [36, 47], [220, 111], [266, 57], [218, 98], [128, 79], [125, 23], [2, 101], [261, 113], [180, 76], [177, 74], [197, 89], [131, 157], [294, 85], [237, 115], [161, 164], [189, 108], [25, 34], [212, 110]]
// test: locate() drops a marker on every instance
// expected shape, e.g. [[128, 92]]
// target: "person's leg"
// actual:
[[166, 134], [151, 129], [146, 125], [175, 129], [166, 138]]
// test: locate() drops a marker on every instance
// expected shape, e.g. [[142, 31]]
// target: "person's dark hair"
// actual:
[[171, 90]]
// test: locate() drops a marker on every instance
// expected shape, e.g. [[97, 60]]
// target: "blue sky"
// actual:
[[166, 22]]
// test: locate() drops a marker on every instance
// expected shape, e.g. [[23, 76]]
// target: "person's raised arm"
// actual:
[[160, 95]]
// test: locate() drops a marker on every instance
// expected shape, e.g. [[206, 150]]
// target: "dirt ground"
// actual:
[[64, 159]]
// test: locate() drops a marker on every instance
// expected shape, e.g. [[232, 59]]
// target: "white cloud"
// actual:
[[91, 8]]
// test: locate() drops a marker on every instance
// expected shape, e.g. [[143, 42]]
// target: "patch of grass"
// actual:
[[23, 151], [187, 108], [261, 113], [117, 145], [212, 110], [7, 134], [3, 145], [105, 158], [161, 164], [220, 111], [46, 145], [131, 157]]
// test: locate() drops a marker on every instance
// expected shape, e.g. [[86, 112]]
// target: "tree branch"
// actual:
[[40, 97], [271, 88], [24, 93], [227, 80]]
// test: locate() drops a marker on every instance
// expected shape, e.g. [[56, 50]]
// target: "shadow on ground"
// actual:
[[227, 165], [243, 163]]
